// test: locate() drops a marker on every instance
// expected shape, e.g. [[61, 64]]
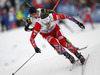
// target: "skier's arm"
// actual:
[[33, 35], [63, 16], [66, 16], [27, 24]]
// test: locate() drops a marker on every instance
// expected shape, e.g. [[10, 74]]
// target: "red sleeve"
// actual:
[[34, 33], [58, 16], [63, 16]]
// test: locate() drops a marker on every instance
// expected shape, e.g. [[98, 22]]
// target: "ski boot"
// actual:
[[71, 58], [80, 57]]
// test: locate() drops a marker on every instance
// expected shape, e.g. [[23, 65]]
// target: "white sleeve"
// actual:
[[51, 16], [29, 16]]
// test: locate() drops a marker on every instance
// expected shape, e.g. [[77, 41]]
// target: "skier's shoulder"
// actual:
[[51, 15], [38, 20], [29, 15]]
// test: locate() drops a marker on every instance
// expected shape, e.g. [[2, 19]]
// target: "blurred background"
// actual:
[[15, 47], [77, 8]]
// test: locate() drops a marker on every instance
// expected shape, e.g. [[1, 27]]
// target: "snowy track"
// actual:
[[15, 49]]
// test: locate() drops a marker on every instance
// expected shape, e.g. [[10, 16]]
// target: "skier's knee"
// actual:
[[63, 42]]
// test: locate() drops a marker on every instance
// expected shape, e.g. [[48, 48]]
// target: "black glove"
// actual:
[[27, 24], [37, 50], [27, 27], [81, 25]]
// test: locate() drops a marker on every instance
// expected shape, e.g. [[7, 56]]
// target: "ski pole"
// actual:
[[56, 5], [18, 16], [26, 3], [30, 6], [23, 64]]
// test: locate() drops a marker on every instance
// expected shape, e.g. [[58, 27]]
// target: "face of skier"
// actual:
[[46, 21], [35, 15]]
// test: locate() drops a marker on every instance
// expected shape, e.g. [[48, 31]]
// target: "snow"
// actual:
[[15, 49]]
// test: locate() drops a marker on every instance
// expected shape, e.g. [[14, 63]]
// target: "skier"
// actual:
[[49, 30], [32, 20], [87, 12]]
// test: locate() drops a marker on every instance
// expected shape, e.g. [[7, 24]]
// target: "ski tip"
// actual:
[[82, 48], [86, 59], [87, 46]]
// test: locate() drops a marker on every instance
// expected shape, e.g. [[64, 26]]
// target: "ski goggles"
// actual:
[[34, 14], [46, 21]]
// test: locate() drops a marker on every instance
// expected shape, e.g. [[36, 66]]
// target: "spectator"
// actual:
[[37, 3], [18, 20], [24, 11], [5, 16], [5, 19], [1, 20], [86, 12], [12, 19], [13, 4], [48, 4]]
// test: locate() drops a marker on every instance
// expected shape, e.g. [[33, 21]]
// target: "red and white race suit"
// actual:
[[52, 33]]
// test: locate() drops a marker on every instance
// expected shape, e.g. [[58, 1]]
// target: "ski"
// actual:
[[82, 48], [83, 66], [73, 65]]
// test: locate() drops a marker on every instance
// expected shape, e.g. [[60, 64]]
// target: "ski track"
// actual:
[[15, 49]]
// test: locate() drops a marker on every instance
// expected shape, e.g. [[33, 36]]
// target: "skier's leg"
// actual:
[[84, 20], [65, 43], [54, 43], [76, 48], [69, 46], [90, 19]]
